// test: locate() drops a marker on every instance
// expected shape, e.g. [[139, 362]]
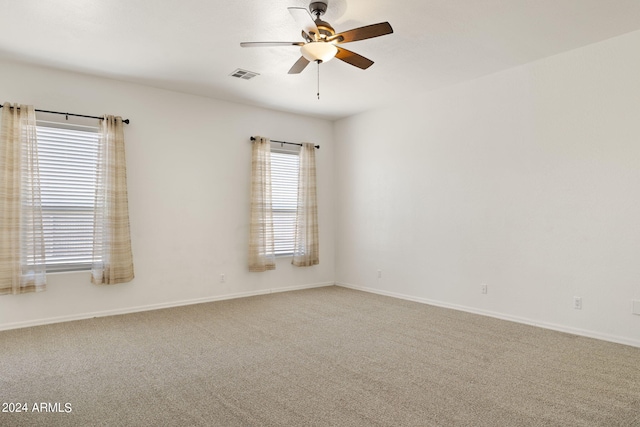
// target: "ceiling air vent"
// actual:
[[243, 74]]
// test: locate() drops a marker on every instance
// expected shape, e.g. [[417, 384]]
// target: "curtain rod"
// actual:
[[284, 142], [71, 114]]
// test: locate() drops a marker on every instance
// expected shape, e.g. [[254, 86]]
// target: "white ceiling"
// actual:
[[193, 45]]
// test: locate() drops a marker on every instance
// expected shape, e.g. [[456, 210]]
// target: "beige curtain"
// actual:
[[22, 252], [306, 249], [112, 257], [261, 246]]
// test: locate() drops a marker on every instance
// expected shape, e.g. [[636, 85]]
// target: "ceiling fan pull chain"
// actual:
[[318, 79]]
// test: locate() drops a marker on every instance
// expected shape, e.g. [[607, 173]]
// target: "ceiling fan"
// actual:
[[321, 41]]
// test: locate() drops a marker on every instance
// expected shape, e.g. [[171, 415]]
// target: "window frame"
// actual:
[[289, 237]]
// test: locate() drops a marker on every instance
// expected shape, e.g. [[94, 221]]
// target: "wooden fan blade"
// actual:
[[300, 65], [269, 44], [304, 20], [362, 33], [353, 58]]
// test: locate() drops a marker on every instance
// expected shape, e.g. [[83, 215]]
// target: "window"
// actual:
[[284, 193], [67, 157]]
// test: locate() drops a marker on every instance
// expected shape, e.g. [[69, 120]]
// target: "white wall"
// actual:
[[527, 180], [188, 162]]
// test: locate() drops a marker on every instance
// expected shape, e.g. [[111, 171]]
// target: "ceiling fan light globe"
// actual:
[[318, 51]]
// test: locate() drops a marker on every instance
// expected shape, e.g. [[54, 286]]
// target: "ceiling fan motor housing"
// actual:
[[324, 28]]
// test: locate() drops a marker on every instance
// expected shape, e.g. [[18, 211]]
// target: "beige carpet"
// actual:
[[320, 357]]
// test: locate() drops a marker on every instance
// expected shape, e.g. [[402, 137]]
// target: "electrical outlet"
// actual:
[[577, 303], [379, 274], [483, 288], [222, 278]]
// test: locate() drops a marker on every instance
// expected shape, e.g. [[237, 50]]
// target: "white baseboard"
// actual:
[[517, 319], [47, 321]]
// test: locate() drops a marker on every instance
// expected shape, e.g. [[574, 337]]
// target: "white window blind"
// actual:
[[284, 190], [67, 157]]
